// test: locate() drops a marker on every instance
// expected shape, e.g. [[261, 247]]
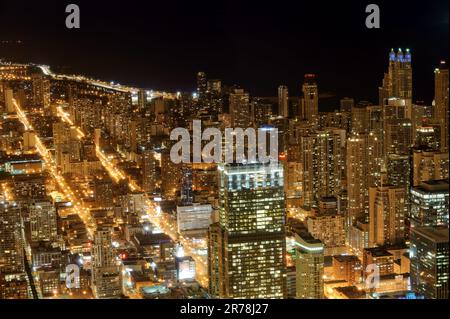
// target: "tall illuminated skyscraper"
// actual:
[[202, 85], [364, 156], [283, 101], [440, 110], [386, 215], [240, 111], [149, 171], [42, 221], [11, 239], [429, 262], [323, 158], [106, 278], [246, 249], [397, 83], [310, 101], [430, 203], [41, 90]]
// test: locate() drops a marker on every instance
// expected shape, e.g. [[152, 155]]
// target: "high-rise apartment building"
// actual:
[[310, 100], [11, 239], [106, 277], [386, 215], [41, 90], [283, 101], [440, 110], [240, 112], [42, 221]]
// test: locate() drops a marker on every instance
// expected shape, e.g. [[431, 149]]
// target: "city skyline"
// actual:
[[230, 44], [210, 168]]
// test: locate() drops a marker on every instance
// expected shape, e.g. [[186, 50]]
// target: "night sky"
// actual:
[[257, 45]]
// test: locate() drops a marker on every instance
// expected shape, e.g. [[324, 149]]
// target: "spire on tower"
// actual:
[[392, 55]]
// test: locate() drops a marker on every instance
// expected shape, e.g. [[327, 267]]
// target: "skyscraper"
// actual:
[[397, 83], [202, 85], [429, 164], [11, 239], [363, 171], [429, 203], [41, 90], [106, 279], [310, 101], [386, 215], [323, 159], [246, 250], [283, 101], [240, 111], [440, 110], [42, 221], [149, 171], [429, 262]]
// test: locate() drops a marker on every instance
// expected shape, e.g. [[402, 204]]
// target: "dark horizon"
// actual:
[[257, 46]]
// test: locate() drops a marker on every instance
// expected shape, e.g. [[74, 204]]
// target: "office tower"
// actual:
[[440, 110], [429, 203], [11, 239], [429, 164], [386, 215], [42, 221], [397, 83], [360, 119], [41, 90], [346, 104], [246, 248], [202, 85], [149, 171], [364, 161], [309, 265], [283, 101], [9, 105], [310, 100], [106, 281], [323, 159], [429, 262], [240, 112]]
